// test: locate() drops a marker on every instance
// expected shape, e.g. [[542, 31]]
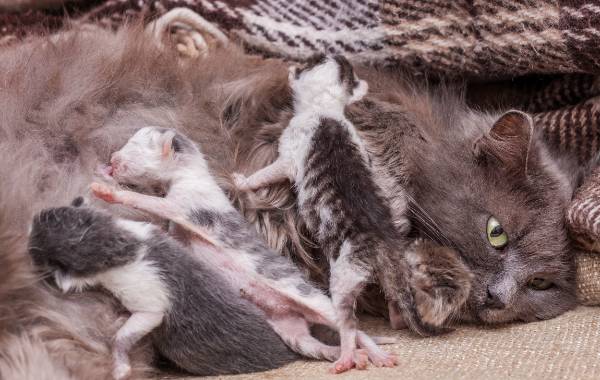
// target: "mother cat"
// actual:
[[482, 184]]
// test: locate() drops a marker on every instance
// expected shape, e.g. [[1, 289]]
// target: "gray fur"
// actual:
[[79, 241], [208, 330], [234, 231]]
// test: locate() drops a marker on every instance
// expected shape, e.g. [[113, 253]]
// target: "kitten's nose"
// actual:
[[493, 300]]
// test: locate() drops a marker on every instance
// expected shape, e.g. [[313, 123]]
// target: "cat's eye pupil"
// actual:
[[496, 231], [497, 237]]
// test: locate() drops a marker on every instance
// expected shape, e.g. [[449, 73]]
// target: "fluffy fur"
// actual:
[[68, 103]]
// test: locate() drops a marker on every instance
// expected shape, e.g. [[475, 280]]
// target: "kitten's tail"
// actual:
[[428, 285]]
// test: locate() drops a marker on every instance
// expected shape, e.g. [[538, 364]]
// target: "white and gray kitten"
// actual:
[[194, 318]]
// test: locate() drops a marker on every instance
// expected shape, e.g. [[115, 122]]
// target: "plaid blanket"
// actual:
[[547, 52]]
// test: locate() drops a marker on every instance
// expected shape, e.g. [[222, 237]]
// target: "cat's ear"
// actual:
[[167, 140], [508, 141]]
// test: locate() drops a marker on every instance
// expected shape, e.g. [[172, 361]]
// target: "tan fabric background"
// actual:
[[588, 278], [567, 347]]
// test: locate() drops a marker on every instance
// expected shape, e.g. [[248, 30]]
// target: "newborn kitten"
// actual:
[[194, 318], [271, 281], [342, 206]]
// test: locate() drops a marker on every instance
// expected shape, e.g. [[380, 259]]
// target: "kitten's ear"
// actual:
[[508, 141], [167, 139], [359, 91]]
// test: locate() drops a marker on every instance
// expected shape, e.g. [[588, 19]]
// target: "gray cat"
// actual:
[[484, 185], [196, 321]]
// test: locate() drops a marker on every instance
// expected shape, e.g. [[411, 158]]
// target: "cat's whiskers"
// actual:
[[428, 221]]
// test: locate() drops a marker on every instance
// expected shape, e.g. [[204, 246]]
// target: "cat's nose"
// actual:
[[493, 300]]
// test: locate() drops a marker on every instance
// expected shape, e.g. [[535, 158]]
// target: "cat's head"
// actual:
[[500, 201], [332, 76], [76, 242], [151, 156]]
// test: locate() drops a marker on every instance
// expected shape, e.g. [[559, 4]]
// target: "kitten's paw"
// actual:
[[240, 181], [440, 280], [104, 192], [330, 353], [357, 359], [121, 371], [381, 358]]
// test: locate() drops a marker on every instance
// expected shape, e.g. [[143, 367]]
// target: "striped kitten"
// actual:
[[342, 206]]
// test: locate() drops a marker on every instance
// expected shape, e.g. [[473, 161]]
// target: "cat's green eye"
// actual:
[[495, 233], [539, 283]]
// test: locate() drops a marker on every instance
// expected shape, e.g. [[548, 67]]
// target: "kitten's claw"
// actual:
[[121, 371], [240, 181], [104, 192]]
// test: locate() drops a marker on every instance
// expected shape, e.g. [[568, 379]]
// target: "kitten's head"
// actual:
[[76, 241], [500, 201], [151, 156], [330, 75]]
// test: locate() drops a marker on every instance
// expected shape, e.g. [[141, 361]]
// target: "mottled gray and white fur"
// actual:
[[194, 318], [292, 304], [342, 206]]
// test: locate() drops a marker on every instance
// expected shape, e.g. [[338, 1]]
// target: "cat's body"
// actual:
[[70, 103], [194, 318], [339, 201]]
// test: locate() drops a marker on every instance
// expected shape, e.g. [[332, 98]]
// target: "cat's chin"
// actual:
[[494, 316]]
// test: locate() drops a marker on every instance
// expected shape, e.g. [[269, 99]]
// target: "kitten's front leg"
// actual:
[[134, 329], [278, 171], [157, 206]]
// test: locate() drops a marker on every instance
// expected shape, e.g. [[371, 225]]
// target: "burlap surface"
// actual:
[[562, 348]]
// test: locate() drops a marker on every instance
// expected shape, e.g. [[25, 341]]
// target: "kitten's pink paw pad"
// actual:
[[103, 192], [358, 360]]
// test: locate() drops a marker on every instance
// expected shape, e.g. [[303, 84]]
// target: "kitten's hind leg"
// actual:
[[294, 331], [278, 171], [377, 356], [396, 318], [348, 279], [135, 328]]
